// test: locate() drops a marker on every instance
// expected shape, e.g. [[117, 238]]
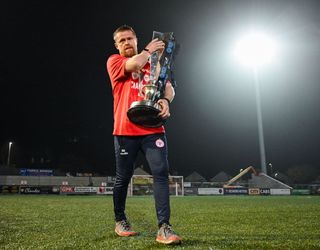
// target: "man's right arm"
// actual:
[[137, 62]]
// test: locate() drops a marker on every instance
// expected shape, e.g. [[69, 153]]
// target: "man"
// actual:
[[125, 69]]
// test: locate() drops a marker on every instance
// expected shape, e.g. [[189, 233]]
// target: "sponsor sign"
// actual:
[[264, 191], [210, 191], [36, 172], [190, 191], [39, 190], [279, 191], [105, 190], [30, 190], [86, 190], [235, 191], [9, 189], [254, 191], [66, 190]]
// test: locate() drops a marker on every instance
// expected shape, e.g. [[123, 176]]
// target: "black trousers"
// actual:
[[154, 147]]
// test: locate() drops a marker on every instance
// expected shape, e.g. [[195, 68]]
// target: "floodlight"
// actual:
[[255, 49]]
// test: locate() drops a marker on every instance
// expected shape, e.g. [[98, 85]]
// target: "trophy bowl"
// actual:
[[145, 113]]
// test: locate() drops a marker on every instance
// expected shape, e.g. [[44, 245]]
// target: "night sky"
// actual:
[[56, 99]]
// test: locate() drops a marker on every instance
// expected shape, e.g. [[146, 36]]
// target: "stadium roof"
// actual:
[[195, 176], [220, 177]]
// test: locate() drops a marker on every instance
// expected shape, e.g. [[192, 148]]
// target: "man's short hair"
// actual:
[[123, 28]]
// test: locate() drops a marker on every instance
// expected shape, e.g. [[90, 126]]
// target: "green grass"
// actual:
[[211, 222]]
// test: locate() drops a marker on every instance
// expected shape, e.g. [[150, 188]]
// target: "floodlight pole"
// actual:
[[9, 152], [259, 118]]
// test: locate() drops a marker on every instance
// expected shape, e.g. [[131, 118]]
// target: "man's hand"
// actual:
[[165, 112], [155, 45]]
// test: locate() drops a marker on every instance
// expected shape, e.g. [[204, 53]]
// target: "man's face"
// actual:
[[126, 42]]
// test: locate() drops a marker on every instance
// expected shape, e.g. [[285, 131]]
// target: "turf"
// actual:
[[211, 222]]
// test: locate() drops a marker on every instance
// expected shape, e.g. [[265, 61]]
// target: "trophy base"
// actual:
[[145, 113]]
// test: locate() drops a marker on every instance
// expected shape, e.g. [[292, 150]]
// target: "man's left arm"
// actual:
[[166, 100]]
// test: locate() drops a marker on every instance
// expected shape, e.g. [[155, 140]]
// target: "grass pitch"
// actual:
[[211, 222]]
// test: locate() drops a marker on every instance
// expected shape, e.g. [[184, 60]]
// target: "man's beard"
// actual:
[[129, 52]]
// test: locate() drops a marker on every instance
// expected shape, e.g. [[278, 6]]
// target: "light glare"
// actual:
[[255, 49]]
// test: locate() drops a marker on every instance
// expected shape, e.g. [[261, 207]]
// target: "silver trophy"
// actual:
[[146, 112]]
